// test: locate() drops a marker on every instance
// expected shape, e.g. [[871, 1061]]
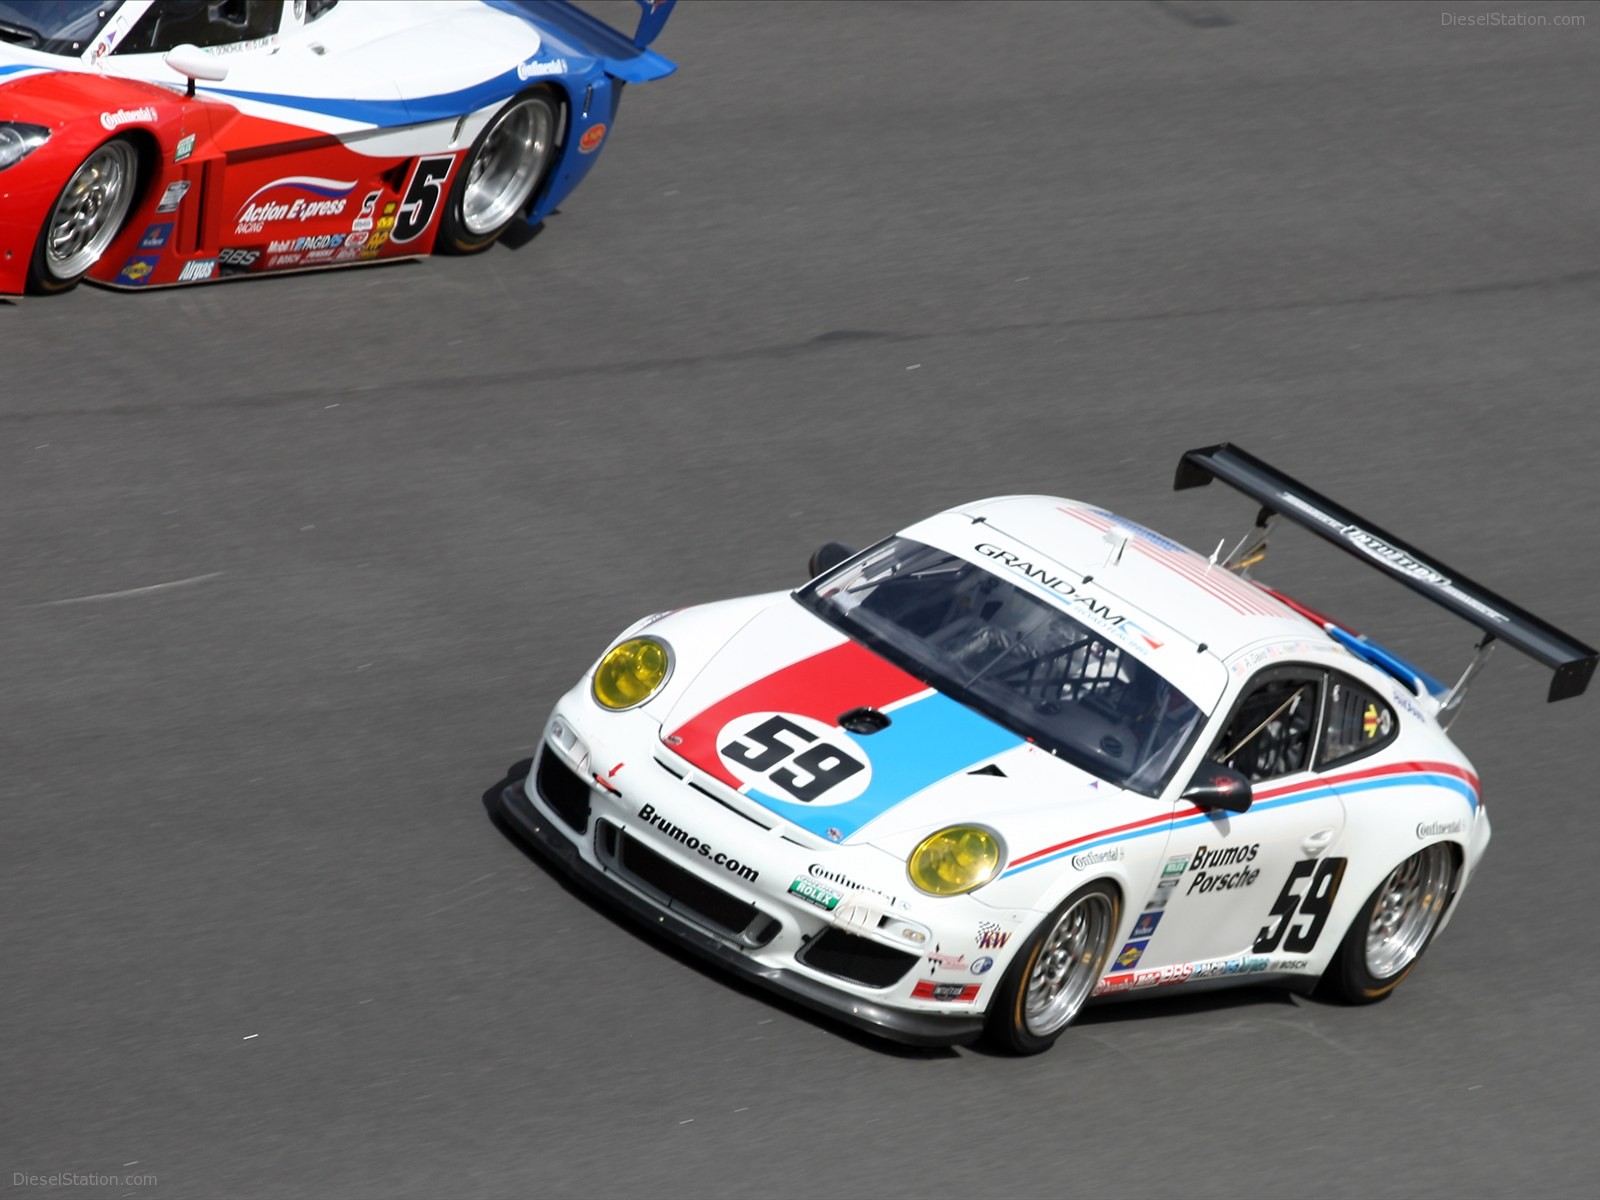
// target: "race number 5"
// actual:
[[415, 214], [1315, 903], [813, 765]]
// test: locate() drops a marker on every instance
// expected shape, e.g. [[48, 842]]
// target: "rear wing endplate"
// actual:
[[1279, 494]]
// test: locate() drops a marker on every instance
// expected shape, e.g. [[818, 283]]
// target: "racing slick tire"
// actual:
[[1055, 971], [501, 173], [1393, 928], [86, 217]]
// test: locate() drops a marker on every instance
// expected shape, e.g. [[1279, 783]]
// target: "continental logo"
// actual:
[[1429, 829], [1093, 858]]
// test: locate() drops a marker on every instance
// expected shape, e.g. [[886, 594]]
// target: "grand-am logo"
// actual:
[[1047, 578], [1428, 829], [533, 70], [1090, 858], [322, 198], [126, 116]]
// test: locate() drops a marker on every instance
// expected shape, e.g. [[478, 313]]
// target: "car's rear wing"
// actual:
[[1279, 494]]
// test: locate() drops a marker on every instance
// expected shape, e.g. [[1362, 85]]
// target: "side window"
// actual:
[[1272, 729], [210, 23], [1357, 722]]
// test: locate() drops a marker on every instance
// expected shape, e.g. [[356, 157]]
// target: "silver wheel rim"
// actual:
[[90, 211], [1065, 971], [1409, 906], [507, 166]]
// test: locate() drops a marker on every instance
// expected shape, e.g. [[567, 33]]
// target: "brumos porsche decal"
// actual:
[[779, 740]]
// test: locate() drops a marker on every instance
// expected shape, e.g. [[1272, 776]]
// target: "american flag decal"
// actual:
[[1216, 582]]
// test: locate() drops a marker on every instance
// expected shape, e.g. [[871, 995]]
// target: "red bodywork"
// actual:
[[203, 199]]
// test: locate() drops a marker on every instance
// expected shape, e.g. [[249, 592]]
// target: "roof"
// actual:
[[1173, 600]]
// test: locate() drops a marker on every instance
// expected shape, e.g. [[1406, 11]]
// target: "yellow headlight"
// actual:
[[629, 674], [955, 860]]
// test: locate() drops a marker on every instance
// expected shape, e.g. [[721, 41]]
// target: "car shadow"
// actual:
[[1113, 1011]]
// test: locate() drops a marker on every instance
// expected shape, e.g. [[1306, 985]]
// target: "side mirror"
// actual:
[[191, 61], [1218, 786], [828, 556]]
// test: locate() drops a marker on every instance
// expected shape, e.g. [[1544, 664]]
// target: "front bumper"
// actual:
[[911, 1028]]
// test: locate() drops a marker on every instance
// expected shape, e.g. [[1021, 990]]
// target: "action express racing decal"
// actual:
[[291, 200], [778, 740]]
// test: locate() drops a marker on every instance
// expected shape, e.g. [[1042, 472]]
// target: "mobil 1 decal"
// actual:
[[1302, 907], [423, 194], [794, 756]]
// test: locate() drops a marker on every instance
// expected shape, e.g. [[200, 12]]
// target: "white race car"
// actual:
[[1025, 754]]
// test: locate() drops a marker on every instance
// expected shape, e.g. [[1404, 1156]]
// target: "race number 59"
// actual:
[[799, 757], [1301, 909]]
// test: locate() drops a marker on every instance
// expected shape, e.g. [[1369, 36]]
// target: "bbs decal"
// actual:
[[795, 757], [1302, 908], [423, 194]]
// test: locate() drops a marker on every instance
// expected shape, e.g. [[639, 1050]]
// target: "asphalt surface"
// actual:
[[851, 265]]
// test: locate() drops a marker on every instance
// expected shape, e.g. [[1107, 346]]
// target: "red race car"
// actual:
[[160, 142]]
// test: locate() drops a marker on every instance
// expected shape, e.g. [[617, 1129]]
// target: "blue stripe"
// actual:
[[1421, 778], [926, 741]]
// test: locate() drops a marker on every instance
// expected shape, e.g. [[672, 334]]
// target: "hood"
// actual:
[[768, 713]]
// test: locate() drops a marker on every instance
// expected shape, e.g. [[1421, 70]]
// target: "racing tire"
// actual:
[[1394, 927], [86, 217], [501, 173], [1055, 972]]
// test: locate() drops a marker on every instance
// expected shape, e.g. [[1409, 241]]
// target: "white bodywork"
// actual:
[[1227, 874]]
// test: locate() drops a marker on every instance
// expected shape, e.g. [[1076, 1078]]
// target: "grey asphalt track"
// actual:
[[852, 264]]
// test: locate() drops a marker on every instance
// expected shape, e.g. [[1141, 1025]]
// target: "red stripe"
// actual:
[[1435, 768], [823, 687]]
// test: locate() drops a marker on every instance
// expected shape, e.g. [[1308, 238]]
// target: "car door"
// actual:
[[1242, 885]]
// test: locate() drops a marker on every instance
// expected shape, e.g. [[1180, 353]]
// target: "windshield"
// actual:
[[1014, 656], [53, 26]]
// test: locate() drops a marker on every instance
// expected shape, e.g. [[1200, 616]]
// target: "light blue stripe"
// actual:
[[926, 741], [1418, 779]]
